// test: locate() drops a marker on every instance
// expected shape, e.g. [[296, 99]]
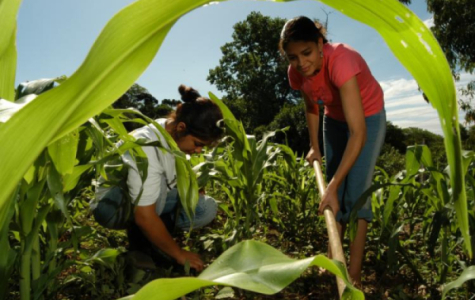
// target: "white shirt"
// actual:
[[161, 170]]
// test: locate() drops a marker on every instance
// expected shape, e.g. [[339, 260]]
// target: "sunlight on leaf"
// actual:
[[250, 265], [467, 274]]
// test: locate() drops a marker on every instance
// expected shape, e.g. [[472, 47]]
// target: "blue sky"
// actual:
[[54, 37]]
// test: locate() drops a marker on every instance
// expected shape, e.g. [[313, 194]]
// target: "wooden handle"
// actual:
[[333, 235]]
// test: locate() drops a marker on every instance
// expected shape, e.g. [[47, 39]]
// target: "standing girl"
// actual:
[[354, 122]]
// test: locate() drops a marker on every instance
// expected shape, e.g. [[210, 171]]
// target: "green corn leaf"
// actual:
[[467, 274], [281, 181], [63, 152], [288, 154], [394, 188], [261, 156], [394, 192], [437, 223], [30, 174], [120, 54], [249, 265], [38, 221], [55, 186], [229, 194], [116, 124], [416, 157], [420, 156], [225, 293], [106, 257], [227, 114], [28, 207], [71, 180], [8, 11], [468, 158], [8, 66], [273, 204], [187, 186], [8, 55], [234, 128], [8, 257]]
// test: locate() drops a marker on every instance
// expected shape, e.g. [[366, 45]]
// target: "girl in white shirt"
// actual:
[[193, 126]]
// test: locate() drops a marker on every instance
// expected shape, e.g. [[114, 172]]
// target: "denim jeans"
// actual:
[[360, 176], [205, 211], [107, 211]]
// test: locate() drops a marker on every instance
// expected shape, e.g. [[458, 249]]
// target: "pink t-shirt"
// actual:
[[340, 63]]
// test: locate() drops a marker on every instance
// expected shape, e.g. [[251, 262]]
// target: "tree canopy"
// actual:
[[140, 98], [252, 73], [454, 29]]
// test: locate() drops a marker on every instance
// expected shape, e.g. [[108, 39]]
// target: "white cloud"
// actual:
[[404, 101], [429, 22], [413, 112], [398, 87], [465, 78], [405, 106]]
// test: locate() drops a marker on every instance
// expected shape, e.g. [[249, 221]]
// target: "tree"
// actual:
[[395, 138], [454, 29], [435, 142], [469, 143], [171, 102], [292, 116], [467, 135], [140, 98], [391, 158], [252, 72]]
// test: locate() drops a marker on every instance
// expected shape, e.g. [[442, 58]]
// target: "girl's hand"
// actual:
[[314, 154], [194, 259], [330, 198]]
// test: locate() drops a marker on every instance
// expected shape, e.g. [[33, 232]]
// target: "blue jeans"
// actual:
[[205, 211], [108, 210], [360, 176]]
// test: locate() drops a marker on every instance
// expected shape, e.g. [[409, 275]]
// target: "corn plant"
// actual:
[[56, 178], [107, 73], [126, 47], [249, 265], [109, 278], [111, 67], [240, 171], [413, 211], [256, 181], [293, 198], [40, 198]]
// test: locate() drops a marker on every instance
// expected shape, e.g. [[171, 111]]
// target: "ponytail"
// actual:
[[199, 114]]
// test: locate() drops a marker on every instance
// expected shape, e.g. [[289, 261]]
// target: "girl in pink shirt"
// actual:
[[354, 122]]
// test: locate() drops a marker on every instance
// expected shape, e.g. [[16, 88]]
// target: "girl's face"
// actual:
[[190, 144], [186, 142], [305, 56]]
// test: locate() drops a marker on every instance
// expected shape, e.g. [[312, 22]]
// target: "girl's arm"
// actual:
[[153, 228], [313, 122], [354, 114]]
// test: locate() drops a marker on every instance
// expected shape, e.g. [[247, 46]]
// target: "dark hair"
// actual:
[[301, 29], [200, 115]]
